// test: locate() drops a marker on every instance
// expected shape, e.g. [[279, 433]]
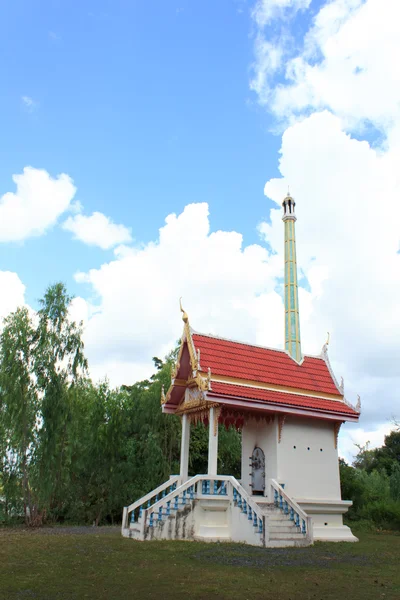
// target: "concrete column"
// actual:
[[212, 443], [185, 448]]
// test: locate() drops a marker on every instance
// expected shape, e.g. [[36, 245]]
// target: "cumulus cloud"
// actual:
[[348, 251], [35, 206], [29, 103], [350, 439], [345, 64], [228, 289], [97, 230], [340, 83], [13, 293], [266, 10], [354, 75]]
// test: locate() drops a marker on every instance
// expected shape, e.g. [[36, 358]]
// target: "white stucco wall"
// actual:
[[308, 460], [263, 435]]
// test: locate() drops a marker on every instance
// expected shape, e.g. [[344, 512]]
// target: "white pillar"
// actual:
[[212, 442], [185, 448]]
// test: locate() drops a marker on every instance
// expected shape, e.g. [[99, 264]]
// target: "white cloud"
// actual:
[[13, 293], [35, 206], [266, 10], [97, 230], [29, 103], [348, 250], [353, 436], [227, 289], [346, 65], [269, 57]]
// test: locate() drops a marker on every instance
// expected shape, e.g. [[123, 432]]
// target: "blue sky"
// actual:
[[145, 105]]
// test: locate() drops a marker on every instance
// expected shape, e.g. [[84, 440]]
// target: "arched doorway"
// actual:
[[258, 471]]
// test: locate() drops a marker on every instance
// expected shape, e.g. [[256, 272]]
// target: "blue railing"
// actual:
[[289, 507], [202, 486], [135, 511]]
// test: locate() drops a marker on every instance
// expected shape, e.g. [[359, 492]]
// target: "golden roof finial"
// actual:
[[185, 318], [327, 340]]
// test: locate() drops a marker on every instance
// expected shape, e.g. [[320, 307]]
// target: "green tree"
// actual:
[[19, 408], [59, 363]]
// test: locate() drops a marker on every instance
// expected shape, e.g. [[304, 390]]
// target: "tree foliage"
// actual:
[[373, 483], [75, 451]]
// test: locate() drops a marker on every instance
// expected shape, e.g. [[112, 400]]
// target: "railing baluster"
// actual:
[[151, 519], [255, 520], [132, 517], [291, 508], [244, 507], [160, 514], [168, 508], [235, 495], [140, 511], [250, 517], [260, 526], [240, 501], [191, 492], [176, 500]]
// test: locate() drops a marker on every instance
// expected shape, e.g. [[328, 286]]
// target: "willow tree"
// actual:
[[19, 408], [59, 363]]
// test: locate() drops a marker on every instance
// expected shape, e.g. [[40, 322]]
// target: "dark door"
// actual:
[[258, 471]]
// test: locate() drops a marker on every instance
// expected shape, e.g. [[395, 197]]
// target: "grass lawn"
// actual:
[[85, 563]]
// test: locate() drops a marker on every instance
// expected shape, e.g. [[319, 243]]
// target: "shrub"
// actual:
[[384, 513]]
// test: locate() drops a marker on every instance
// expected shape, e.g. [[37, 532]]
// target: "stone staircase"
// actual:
[[217, 509], [282, 532]]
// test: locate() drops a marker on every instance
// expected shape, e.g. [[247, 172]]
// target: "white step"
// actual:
[[283, 529], [266, 507], [286, 543], [278, 519], [286, 536], [208, 532]]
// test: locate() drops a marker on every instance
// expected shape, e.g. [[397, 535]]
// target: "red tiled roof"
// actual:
[[275, 397], [235, 359]]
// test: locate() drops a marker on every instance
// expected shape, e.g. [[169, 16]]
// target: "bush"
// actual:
[[395, 482], [384, 513]]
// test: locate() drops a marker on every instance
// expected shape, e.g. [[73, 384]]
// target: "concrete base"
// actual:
[[334, 534], [327, 517]]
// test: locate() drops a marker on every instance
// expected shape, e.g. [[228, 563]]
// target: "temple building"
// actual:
[[289, 408]]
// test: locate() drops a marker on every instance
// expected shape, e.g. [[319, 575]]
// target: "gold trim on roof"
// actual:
[[187, 336], [272, 387]]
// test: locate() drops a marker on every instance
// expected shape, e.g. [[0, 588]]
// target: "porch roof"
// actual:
[[280, 400]]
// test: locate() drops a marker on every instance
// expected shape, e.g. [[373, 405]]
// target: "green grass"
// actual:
[[60, 566]]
